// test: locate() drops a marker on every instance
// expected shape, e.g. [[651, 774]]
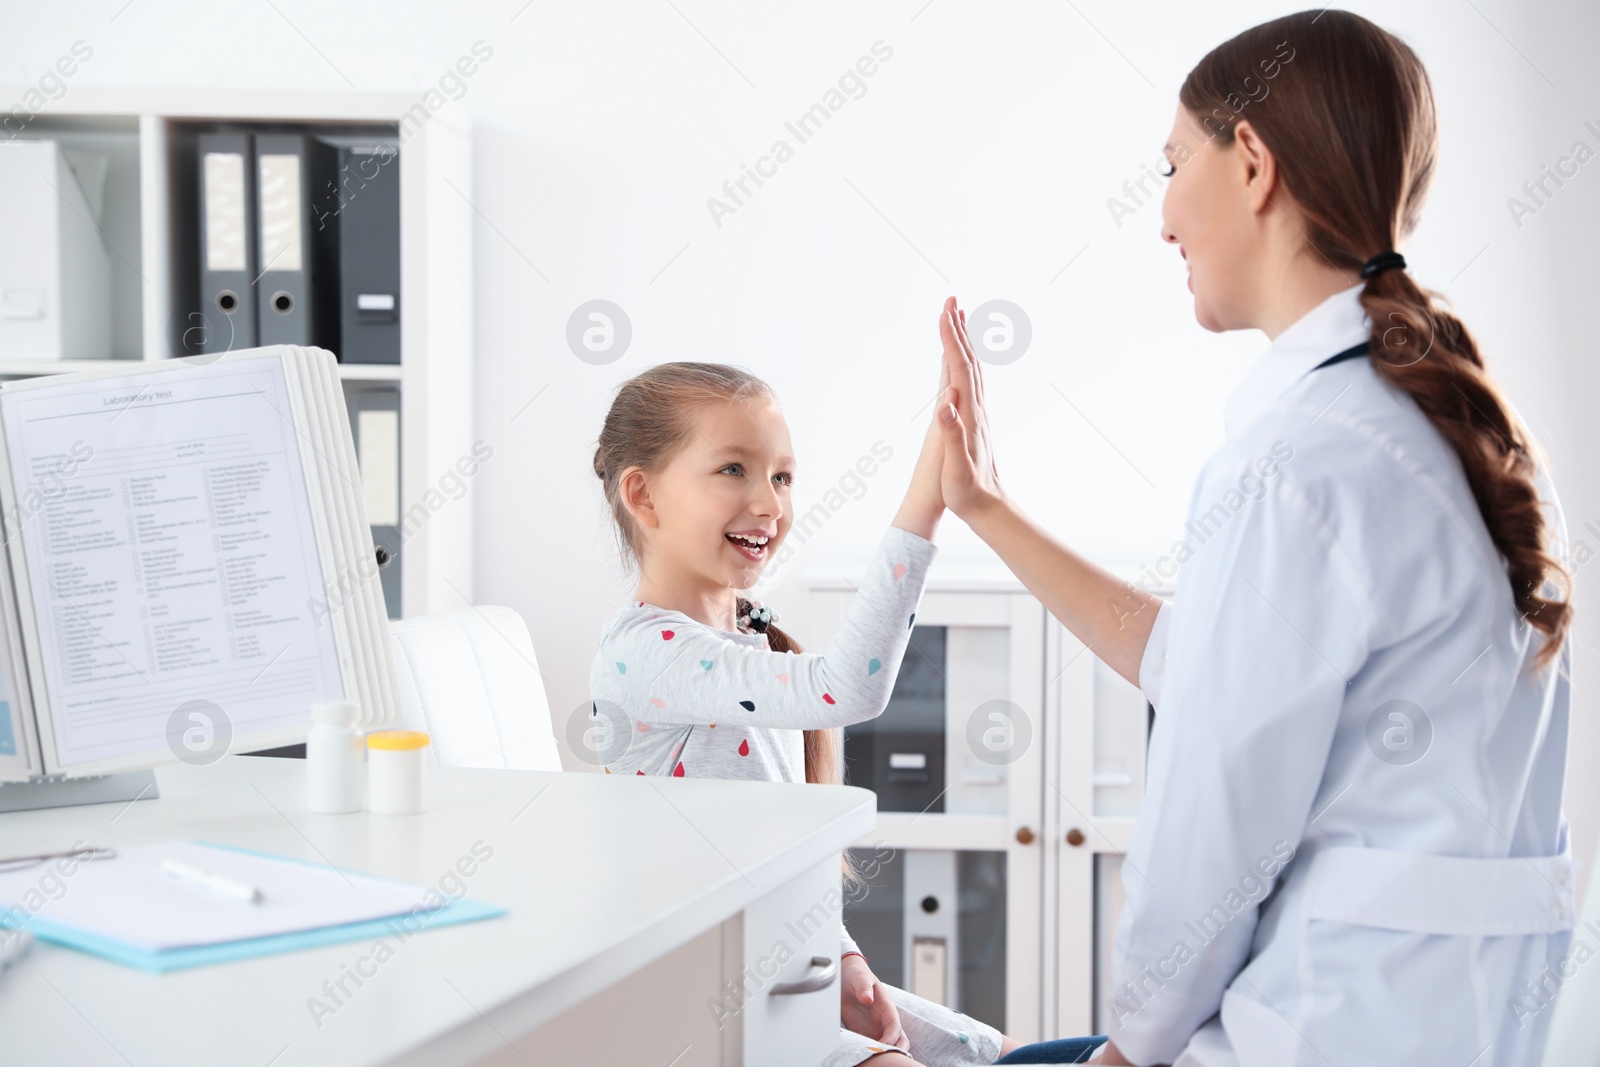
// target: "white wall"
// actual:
[[978, 162]]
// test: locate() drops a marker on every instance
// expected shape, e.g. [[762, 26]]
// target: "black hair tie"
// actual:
[[755, 616], [1382, 262]]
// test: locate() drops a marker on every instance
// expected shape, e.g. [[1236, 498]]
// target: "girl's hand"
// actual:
[[968, 479], [924, 502], [865, 1007]]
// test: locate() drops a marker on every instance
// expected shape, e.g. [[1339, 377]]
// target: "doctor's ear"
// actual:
[[1259, 167], [633, 489]]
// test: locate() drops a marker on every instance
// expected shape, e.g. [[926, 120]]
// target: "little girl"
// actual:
[[697, 467]]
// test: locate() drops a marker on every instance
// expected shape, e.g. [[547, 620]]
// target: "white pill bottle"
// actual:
[[397, 771], [335, 759]]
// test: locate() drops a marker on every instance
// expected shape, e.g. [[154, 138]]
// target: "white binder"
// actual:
[[55, 267]]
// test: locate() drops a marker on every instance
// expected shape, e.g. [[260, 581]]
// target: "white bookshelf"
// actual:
[[149, 136]]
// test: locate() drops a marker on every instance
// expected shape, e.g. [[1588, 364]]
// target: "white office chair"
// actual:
[[1574, 1037], [470, 679]]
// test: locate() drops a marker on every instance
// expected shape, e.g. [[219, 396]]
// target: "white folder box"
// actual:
[[55, 267]]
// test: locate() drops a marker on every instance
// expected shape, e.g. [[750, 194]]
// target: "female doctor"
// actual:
[[1351, 849]]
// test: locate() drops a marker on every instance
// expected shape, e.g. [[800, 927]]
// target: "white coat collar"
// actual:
[[1332, 326]]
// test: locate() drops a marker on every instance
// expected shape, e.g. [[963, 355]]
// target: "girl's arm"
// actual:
[[924, 503], [672, 670], [1111, 616]]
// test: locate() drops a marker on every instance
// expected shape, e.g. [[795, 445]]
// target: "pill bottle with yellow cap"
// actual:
[[397, 762]]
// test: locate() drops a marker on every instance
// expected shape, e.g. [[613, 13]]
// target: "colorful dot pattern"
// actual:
[[873, 666]]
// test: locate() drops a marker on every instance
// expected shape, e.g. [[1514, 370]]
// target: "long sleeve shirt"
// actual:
[[672, 696]]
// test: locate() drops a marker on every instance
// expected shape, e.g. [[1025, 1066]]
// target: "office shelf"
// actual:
[[148, 219], [29, 368]]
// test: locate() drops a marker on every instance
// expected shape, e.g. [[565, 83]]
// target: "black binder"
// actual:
[[298, 250], [369, 254], [226, 316], [376, 396]]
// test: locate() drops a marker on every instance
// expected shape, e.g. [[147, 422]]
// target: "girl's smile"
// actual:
[[751, 544], [713, 516]]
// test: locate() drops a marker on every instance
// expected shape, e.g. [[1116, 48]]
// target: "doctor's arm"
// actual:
[[1113, 617]]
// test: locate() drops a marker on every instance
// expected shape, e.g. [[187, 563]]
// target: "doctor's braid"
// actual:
[[1348, 112], [651, 419]]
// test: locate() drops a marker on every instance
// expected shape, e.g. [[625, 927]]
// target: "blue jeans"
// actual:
[[1062, 1050]]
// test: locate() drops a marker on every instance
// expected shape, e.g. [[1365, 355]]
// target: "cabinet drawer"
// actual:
[[769, 966], [657, 1015]]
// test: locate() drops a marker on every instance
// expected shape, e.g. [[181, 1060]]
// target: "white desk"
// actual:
[[602, 876]]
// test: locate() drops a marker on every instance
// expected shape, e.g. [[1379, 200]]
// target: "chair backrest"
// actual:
[[470, 679], [1574, 1037]]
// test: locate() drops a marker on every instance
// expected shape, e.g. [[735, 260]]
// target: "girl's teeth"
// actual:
[[751, 547]]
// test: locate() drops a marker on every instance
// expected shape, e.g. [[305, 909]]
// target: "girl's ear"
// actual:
[[1259, 167], [633, 489]]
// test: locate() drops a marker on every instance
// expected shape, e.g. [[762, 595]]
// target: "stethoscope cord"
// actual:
[[1350, 353]]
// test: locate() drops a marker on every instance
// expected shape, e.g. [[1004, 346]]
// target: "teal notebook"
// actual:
[[394, 928]]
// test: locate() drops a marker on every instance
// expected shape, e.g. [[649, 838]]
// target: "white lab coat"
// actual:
[[1301, 888]]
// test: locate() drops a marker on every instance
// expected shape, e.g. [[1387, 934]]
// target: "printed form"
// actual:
[[171, 554]]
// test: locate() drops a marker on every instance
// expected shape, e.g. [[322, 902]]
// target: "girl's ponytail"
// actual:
[[824, 758]]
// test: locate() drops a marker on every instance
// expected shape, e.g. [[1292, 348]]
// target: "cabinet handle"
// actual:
[[820, 976], [1024, 835], [1074, 837]]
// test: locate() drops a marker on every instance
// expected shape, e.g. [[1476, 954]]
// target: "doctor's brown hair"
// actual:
[[650, 421], [1347, 110]]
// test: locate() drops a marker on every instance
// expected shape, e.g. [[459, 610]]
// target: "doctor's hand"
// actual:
[[865, 1007], [968, 479]]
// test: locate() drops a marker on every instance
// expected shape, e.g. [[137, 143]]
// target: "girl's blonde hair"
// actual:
[[650, 421]]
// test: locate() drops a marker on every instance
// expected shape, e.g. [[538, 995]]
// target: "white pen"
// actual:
[[221, 883]]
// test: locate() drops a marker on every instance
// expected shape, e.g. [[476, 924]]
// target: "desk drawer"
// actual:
[[768, 967]]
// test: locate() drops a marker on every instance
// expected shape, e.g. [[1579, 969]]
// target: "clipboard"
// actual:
[[93, 926]]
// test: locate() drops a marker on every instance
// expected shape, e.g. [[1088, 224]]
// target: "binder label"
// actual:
[[224, 211], [280, 213]]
